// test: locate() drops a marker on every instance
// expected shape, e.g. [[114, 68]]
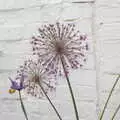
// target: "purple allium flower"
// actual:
[[36, 75], [60, 41]]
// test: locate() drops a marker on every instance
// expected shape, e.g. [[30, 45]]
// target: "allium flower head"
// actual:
[[36, 75], [30, 75], [60, 41]]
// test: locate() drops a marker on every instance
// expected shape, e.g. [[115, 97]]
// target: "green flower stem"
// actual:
[[116, 81], [71, 91], [50, 102], [22, 105], [116, 111]]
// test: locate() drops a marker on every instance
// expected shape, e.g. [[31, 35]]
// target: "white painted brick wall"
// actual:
[[19, 20], [108, 50]]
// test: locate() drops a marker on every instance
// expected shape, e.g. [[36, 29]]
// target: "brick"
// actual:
[[81, 93], [79, 1], [21, 25], [81, 77], [16, 5], [83, 109]]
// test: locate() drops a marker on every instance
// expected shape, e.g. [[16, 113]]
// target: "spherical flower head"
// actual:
[[37, 76], [57, 42]]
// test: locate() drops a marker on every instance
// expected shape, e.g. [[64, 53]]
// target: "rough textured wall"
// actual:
[[19, 19], [108, 51]]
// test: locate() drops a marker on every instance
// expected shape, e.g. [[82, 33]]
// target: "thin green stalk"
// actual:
[[22, 105], [116, 111], [71, 91], [50, 102], [101, 116]]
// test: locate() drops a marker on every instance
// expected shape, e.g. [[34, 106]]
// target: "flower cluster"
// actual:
[[55, 44]]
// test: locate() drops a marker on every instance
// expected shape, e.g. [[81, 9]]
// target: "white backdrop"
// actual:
[[20, 19]]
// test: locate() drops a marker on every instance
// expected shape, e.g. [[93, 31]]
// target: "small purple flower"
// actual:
[[15, 85], [18, 82]]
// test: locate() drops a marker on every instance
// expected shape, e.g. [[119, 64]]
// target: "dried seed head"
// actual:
[[34, 76], [60, 41]]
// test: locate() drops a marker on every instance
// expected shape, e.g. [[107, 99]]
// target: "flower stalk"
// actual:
[[50, 101], [115, 113], [110, 94], [71, 91], [22, 105]]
